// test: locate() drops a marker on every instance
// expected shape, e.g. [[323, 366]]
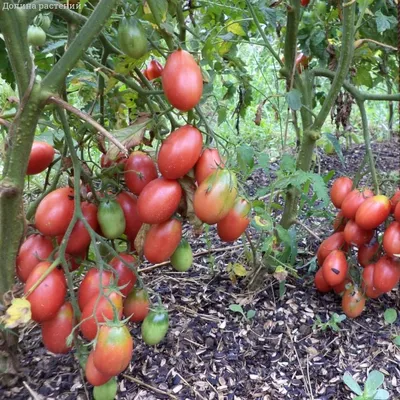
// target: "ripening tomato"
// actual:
[[102, 309], [49, 296], [182, 259], [367, 253], [159, 200], [111, 218], [235, 223], [355, 235], [215, 197], [162, 240], [40, 158], [386, 274], [333, 242], [55, 212], [93, 375], [154, 70], [35, 249], [320, 282], [128, 203], [179, 152], [339, 223], [368, 282], [113, 350], [391, 239], [353, 302], [397, 212], [139, 171], [394, 200], [373, 212], [340, 289], [56, 330], [155, 326], [340, 188], [182, 80], [208, 162], [137, 305], [90, 285], [334, 268], [353, 201], [124, 274]]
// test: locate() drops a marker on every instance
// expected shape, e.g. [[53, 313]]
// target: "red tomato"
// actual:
[[137, 305], [102, 309], [139, 171], [340, 188], [339, 222], [397, 212], [394, 200], [159, 200], [353, 302], [235, 223], [128, 203], [340, 289], [56, 331], [182, 80], [180, 152], [113, 351], [368, 282], [40, 158], [355, 235], [391, 239], [162, 240], [334, 268], [305, 3], [208, 162], [320, 282], [367, 253], [90, 285], [352, 202], [124, 274], [215, 197], [386, 274], [93, 375], [49, 296], [55, 212], [154, 70], [333, 242], [36, 248], [373, 212]]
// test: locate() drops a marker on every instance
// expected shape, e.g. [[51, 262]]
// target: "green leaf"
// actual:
[[382, 394], [396, 340], [222, 111], [236, 28], [160, 10], [351, 383], [363, 77], [336, 146], [293, 99], [374, 380], [263, 160], [250, 314], [390, 315], [384, 22], [245, 155], [236, 308]]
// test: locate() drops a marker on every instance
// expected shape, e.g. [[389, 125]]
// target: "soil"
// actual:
[[211, 352]]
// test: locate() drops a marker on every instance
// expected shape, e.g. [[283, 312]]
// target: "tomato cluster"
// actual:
[[357, 261]]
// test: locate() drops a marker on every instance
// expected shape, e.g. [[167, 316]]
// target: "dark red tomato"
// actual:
[[394, 200], [208, 162], [40, 158], [353, 302], [162, 240], [55, 212], [102, 309], [339, 222], [334, 268], [123, 273], [355, 235], [128, 203], [215, 197], [180, 152], [340, 188], [90, 285], [36, 248], [49, 296], [139, 171], [235, 223], [154, 70], [320, 282], [368, 282], [373, 212], [304, 3], [354, 200], [113, 351], [340, 289], [106, 162], [93, 375], [182, 80], [386, 274], [56, 331], [333, 242], [137, 305], [368, 253], [391, 239], [159, 200], [397, 212]]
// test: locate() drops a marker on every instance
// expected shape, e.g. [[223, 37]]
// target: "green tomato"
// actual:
[[320, 8], [182, 258], [36, 36], [132, 38], [111, 219], [108, 391], [155, 326]]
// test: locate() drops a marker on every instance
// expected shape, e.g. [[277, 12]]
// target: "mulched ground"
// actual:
[[212, 353]]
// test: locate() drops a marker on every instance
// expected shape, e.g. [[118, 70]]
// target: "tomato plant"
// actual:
[[111, 218], [182, 258], [155, 326], [137, 305], [340, 188], [334, 268], [208, 162], [40, 158], [126, 277], [372, 212], [353, 302]]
